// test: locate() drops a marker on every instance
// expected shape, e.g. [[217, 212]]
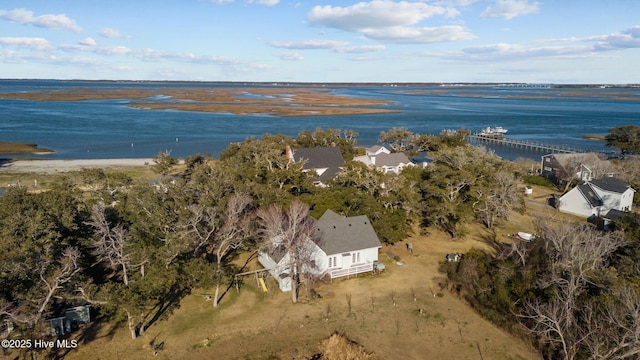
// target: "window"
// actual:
[[329, 261], [358, 257], [353, 258]]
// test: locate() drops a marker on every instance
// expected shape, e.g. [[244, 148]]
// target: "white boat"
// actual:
[[525, 236], [497, 131]]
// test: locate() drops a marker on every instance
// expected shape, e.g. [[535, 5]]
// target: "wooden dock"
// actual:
[[526, 144]]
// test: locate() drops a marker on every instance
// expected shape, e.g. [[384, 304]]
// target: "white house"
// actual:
[[597, 198], [382, 159], [341, 246]]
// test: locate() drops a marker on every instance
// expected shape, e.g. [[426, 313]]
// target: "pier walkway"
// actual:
[[526, 144]]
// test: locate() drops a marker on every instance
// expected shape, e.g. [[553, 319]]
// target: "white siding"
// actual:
[[574, 203]]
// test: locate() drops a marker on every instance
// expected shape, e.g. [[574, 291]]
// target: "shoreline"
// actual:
[[55, 166]]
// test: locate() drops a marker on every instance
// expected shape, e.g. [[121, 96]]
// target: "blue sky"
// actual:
[[545, 41]]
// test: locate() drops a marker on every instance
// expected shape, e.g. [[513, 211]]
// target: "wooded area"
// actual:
[[133, 249]]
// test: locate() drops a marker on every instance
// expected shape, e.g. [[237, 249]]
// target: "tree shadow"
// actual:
[[89, 332], [167, 304], [238, 270]]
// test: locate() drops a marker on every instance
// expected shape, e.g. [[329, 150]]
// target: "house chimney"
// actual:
[[288, 152]]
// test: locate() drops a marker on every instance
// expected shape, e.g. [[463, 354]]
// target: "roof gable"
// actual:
[[337, 234]]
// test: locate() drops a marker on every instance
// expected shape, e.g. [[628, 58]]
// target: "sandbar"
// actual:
[[10, 148], [53, 166]]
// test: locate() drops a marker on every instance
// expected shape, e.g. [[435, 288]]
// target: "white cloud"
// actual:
[[363, 49], [310, 44], [422, 35], [390, 21], [111, 33], [39, 44], [509, 9], [627, 39], [262, 2], [88, 42], [375, 14], [265, 2], [291, 56], [333, 45], [568, 48], [152, 55], [49, 21]]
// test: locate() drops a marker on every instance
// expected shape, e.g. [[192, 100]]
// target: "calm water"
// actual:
[[110, 129]]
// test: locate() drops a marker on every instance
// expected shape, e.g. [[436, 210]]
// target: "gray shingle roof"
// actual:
[[393, 159], [319, 158], [611, 184], [614, 214], [337, 234]]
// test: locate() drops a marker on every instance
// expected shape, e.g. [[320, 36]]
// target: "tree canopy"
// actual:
[[625, 138]]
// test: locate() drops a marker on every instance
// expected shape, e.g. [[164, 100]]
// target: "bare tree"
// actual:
[[576, 253], [218, 232], [293, 230], [111, 245], [236, 228], [498, 201], [53, 279], [618, 331]]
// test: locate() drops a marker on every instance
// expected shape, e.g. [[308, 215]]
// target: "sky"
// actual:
[[390, 41]]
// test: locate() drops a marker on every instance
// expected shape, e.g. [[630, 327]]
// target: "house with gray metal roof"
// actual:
[[341, 246], [597, 197]]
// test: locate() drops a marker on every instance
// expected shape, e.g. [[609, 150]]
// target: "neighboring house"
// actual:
[[382, 159], [325, 161], [597, 198], [562, 167], [341, 246]]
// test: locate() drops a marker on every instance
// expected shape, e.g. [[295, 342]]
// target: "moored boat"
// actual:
[[497, 132]]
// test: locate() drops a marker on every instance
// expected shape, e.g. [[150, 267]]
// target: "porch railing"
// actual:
[[353, 270]]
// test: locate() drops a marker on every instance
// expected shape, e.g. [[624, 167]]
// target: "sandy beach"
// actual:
[[52, 166]]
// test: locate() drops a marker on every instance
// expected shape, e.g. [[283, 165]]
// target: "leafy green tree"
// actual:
[[41, 251], [345, 140], [163, 162], [261, 169], [625, 138], [399, 139]]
